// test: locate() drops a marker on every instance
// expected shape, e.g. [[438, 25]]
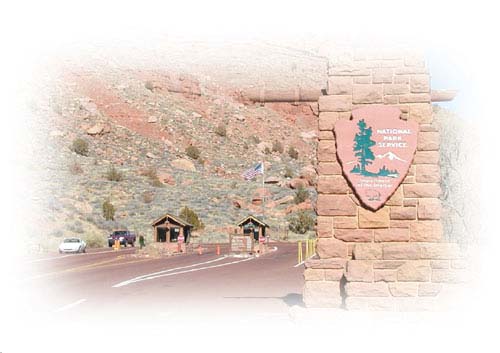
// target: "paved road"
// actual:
[[121, 284]]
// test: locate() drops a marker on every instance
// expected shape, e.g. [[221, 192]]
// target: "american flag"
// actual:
[[252, 172]]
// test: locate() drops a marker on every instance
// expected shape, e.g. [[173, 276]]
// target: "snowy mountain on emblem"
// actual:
[[390, 156]]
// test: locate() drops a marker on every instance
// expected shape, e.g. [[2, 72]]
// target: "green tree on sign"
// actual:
[[362, 146]]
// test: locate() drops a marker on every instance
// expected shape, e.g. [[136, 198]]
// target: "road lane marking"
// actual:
[[69, 306], [168, 270], [152, 276]]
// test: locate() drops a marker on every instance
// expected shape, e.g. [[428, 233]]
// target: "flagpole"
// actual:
[[264, 192]]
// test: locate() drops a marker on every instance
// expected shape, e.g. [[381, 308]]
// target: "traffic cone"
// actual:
[[218, 249]]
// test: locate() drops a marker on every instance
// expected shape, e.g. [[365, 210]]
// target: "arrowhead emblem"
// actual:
[[375, 149]]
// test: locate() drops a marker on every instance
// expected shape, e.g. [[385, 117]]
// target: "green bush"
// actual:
[[152, 174], [288, 173], [301, 222], [95, 240], [293, 153], [190, 216], [148, 197], [193, 152], [108, 211], [80, 146], [113, 174], [221, 130], [300, 195], [149, 85], [277, 146], [267, 150]]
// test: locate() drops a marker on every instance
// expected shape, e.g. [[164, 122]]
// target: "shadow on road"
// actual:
[[291, 299]]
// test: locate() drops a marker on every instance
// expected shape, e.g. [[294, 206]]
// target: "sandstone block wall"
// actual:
[[393, 258]]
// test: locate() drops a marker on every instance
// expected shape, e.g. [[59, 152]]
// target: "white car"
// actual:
[[75, 245]]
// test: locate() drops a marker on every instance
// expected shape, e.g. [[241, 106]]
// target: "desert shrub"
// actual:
[[80, 146], [94, 240], [152, 174], [293, 153], [193, 152], [113, 174], [76, 168], [301, 222], [149, 85], [267, 150], [255, 139], [277, 146], [190, 216], [108, 211], [300, 195], [148, 197], [221, 130], [288, 173]]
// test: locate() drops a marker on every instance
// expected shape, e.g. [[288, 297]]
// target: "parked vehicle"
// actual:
[[124, 236], [75, 245]]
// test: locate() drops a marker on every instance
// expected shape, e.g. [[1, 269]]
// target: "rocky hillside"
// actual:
[[148, 126]]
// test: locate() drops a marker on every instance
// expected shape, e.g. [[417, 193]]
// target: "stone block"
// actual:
[[415, 98], [367, 93], [397, 198], [326, 151], [396, 88], [420, 84], [415, 271], [428, 173], [348, 71], [426, 157], [407, 289], [367, 251], [333, 275], [345, 222], [428, 141], [335, 205], [370, 219], [429, 209], [385, 275], [391, 100], [387, 264], [402, 79], [429, 289], [329, 168], [327, 120], [362, 79], [354, 235], [421, 113], [337, 103], [449, 276], [410, 70], [322, 294], [401, 223], [324, 226], [326, 135], [460, 264], [335, 184], [400, 213], [439, 251], [333, 263], [401, 251], [330, 247], [359, 271], [410, 202], [439, 264], [422, 190], [426, 231], [364, 289], [313, 274], [382, 75], [339, 85], [392, 235]]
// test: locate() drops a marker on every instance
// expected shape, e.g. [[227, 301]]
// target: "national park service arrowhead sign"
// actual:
[[375, 149]]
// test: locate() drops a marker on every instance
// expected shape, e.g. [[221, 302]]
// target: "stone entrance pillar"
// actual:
[[394, 258]]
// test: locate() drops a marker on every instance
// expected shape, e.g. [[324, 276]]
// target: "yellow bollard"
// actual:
[[117, 244], [307, 248], [299, 253]]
